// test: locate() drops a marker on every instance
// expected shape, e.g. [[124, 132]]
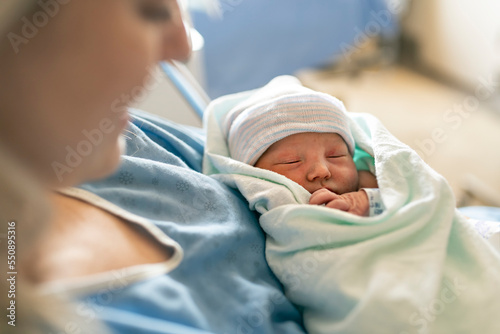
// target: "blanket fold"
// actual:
[[419, 267]]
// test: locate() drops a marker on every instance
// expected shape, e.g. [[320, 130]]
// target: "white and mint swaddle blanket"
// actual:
[[419, 267]]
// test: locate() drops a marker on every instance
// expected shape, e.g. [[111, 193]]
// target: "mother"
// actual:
[[64, 66]]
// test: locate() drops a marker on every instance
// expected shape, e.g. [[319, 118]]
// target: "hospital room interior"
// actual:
[[132, 211], [432, 82]]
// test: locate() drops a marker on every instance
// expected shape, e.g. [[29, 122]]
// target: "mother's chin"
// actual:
[[79, 167]]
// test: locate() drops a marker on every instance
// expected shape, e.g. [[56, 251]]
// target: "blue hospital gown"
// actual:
[[223, 285]]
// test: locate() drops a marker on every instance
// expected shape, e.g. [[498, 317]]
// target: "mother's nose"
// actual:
[[176, 42], [318, 171]]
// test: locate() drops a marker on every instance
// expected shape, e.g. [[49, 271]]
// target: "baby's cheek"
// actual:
[[357, 180], [295, 177], [354, 186], [352, 179]]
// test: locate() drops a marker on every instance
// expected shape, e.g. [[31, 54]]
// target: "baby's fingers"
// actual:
[[339, 204], [322, 196]]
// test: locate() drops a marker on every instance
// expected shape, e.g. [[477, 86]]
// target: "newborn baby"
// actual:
[[347, 273], [323, 165], [305, 136]]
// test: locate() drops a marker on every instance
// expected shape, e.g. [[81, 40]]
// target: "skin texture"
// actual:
[[73, 239], [322, 164], [64, 82]]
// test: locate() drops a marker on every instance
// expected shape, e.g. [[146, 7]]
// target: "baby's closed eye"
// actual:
[[290, 162], [337, 152], [287, 159]]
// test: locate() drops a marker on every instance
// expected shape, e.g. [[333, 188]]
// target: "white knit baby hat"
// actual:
[[282, 108]]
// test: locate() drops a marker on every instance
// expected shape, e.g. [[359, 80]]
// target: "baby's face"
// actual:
[[313, 160]]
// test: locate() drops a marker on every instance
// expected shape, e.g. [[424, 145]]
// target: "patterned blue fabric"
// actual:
[[223, 285]]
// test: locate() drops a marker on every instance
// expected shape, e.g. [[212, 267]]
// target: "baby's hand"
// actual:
[[354, 202]]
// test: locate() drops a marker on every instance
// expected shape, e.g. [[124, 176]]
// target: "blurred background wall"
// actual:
[[459, 39], [429, 69]]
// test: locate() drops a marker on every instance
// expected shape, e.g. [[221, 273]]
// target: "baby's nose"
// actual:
[[318, 170]]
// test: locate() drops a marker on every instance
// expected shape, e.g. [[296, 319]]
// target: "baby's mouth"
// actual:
[[329, 189], [323, 187]]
